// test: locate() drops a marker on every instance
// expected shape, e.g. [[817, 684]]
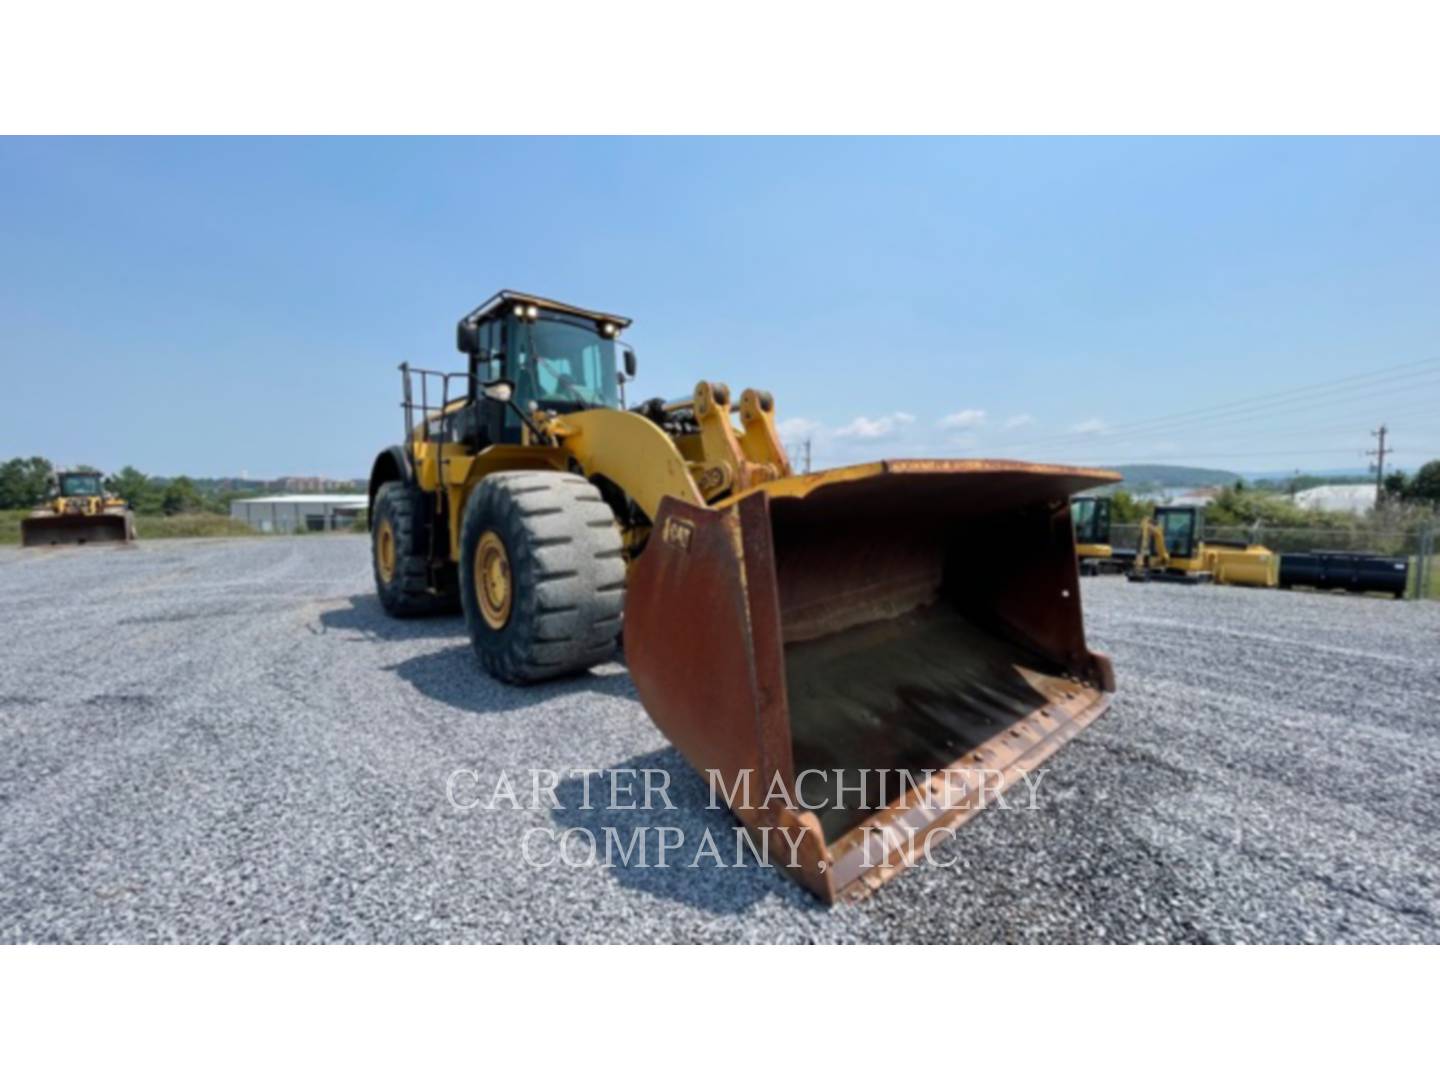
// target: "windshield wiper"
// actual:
[[565, 382]]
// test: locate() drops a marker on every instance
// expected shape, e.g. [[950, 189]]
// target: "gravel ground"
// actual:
[[227, 741]]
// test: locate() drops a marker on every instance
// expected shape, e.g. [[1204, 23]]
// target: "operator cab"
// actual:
[[1092, 519], [556, 356], [80, 485], [1181, 527]]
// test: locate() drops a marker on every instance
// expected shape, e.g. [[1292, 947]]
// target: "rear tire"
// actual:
[[398, 556], [542, 575]]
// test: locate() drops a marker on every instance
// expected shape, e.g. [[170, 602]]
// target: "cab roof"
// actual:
[[506, 297]]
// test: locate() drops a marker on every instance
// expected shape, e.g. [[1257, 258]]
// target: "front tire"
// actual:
[[398, 556], [542, 575]]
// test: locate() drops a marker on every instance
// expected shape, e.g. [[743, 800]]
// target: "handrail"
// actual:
[[426, 410]]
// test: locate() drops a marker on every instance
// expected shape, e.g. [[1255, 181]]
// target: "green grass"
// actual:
[[1433, 581], [181, 525]]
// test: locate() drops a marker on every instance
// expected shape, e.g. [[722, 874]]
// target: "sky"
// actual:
[[226, 307]]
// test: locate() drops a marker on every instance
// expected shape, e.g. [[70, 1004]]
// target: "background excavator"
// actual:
[[1171, 550], [1092, 537], [78, 510], [854, 625]]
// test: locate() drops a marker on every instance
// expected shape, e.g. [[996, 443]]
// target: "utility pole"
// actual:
[[800, 452], [1379, 455]]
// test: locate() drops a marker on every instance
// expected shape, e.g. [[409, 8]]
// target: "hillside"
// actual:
[[1152, 477]]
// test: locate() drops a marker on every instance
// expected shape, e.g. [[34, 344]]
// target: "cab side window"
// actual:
[[1179, 534]]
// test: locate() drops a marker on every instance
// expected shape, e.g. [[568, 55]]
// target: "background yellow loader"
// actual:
[[867, 620], [79, 511]]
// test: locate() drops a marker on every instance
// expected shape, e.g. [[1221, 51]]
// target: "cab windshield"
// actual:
[[560, 363], [75, 487], [1179, 532]]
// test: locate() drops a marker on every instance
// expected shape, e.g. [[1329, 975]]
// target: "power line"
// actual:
[[1271, 438], [1428, 410], [1275, 402], [1345, 398], [1331, 451], [1320, 425]]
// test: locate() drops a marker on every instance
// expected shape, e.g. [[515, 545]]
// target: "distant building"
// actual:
[[299, 513], [310, 484], [1353, 498], [1203, 496]]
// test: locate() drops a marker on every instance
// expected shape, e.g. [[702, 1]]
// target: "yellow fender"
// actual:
[[630, 451]]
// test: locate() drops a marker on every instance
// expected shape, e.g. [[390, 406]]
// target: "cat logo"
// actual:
[[677, 533]]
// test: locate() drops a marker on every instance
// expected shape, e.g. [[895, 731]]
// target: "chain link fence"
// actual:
[[1415, 542]]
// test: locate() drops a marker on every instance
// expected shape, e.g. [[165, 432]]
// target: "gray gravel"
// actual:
[[227, 741]]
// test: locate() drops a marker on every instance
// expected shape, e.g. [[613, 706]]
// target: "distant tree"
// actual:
[[1426, 485], [181, 497], [1125, 509], [1242, 508], [1397, 486], [129, 483], [23, 482], [217, 502]]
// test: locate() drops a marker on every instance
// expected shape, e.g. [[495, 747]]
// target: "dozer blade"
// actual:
[[43, 530], [888, 646]]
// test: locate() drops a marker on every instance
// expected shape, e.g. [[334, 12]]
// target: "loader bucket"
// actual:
[[866, 657], [41, 530]]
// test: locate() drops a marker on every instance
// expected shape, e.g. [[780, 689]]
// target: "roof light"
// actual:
[[608, 329], [519, 311], [532, 313]]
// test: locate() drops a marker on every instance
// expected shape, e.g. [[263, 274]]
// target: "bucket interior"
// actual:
[[920, 618], [74, 529]]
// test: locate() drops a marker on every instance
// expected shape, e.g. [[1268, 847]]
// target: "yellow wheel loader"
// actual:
[[78, 511], [1171, 550], [858, 659]]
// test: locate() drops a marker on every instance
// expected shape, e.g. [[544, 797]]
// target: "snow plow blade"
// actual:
[[43, 530], [866, 657]]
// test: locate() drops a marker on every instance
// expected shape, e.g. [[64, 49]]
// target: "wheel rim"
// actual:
[[385, 551], [492, 580]]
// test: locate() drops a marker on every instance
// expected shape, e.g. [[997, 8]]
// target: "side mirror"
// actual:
[[501, 390], [467, 337], [630, 362]]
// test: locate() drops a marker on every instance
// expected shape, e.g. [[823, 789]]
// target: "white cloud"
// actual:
[[863, 427], [1093, 426], [965, 418], [798, 427], [1019, 420]]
